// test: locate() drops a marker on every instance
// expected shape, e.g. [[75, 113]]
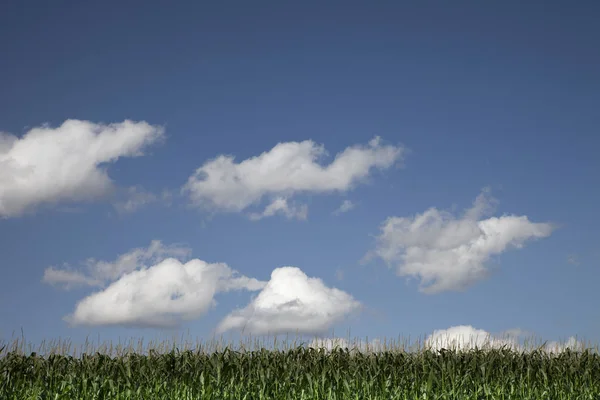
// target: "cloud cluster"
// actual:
[[449, 253], [153, 287], [288, 168], [159, 286], [51, 165], [460, 338], [291, 302]]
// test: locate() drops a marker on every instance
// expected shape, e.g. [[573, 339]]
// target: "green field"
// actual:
[[294, 371]]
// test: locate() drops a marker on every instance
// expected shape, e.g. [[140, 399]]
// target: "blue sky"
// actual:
[[462, 139]]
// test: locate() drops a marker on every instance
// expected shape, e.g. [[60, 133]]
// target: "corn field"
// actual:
[[296, 372]]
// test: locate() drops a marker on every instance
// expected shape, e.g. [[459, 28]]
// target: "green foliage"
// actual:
[[303, 373]]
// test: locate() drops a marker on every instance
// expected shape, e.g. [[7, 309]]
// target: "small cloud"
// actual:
[[339, 274], [136, 198], [573, 259], [291, 302], [167, 197], [280, 206], [346, 206], [450, 253], [69, 279]]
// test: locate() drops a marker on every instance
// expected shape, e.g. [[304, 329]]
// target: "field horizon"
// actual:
[[139, 345]]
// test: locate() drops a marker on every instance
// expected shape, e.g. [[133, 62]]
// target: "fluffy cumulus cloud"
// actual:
[[160, 296], [65, 164], [291, 302], [449, 253], [154, 287], [222, 184]]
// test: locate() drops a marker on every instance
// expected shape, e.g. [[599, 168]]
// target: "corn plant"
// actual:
[[296, 372]]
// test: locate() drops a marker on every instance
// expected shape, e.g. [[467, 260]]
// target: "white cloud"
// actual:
[[51, 165], [449, 253], [288, 168], [101, 272], [465, 337], [160, 296], [280, 205], [135, 197], [69, 279], [346, 206], [291, 302]]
